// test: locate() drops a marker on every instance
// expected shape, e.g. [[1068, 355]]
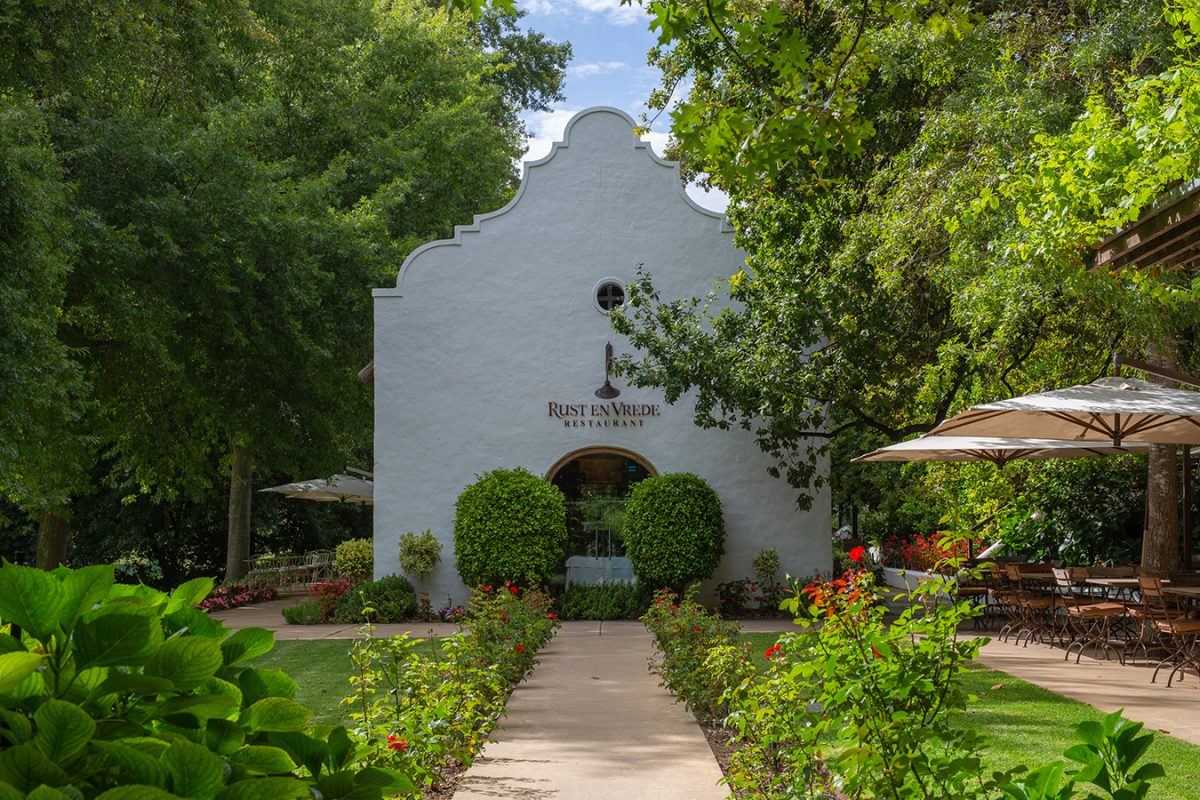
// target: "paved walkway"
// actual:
[[1106, 685], [593, 723]]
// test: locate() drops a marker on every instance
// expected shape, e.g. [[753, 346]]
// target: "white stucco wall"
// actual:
[[484, 330]]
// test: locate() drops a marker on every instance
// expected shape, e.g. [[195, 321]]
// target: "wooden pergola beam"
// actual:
[[1166, 237]]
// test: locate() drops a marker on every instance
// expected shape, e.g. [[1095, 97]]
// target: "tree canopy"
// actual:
[[199, 198], [885, 163]]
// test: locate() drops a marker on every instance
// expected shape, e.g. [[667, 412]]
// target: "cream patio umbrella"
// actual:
[[995, 449], [1113, 410], [998, 450], [338, 489]]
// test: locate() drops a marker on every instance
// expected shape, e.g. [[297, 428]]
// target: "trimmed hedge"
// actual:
[[509, 525], [392, 597], [604, 601], [674, 530]]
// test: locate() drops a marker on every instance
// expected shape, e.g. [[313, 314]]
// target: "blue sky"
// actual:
[[608, 68]]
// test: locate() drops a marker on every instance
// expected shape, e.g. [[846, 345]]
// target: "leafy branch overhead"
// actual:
[[886, 164]]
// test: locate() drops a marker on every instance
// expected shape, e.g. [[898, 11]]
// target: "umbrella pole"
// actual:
[[1187, 507]]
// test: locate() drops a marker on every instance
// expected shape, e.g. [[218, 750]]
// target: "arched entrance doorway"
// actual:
[[596, 482]]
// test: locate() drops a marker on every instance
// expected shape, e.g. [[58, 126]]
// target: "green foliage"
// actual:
[[604, 601], [306, 612], [1107, 753], [766, 565], [37, 396], [871, 303], [417, 713], [509, 525], [354, 559], [857, 706], [419, 554], [1087, 513], [115, 690], [674, 530], [140, 134], [684, 631], [783, 90], [389, 599]]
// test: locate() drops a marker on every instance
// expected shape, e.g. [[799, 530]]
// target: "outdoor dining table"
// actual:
[[1113, 583], [1120, 589]]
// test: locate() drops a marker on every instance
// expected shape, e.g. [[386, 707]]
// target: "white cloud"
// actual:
[[611, 11], [545, 128], [596, 68]]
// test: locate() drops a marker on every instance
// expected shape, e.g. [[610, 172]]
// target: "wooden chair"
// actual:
[[1005, 596], [1035, 601], [1089, 622], [1177, 633]]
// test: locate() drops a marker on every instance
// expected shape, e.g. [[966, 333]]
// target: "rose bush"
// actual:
[[443, 708], [852, 707]]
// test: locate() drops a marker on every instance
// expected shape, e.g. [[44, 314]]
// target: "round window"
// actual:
[[610, 295]]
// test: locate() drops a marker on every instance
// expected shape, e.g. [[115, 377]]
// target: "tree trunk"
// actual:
[[238, 543], [1160, 541], [54, 534]]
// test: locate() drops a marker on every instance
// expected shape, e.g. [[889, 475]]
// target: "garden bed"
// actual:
[[867, 704]]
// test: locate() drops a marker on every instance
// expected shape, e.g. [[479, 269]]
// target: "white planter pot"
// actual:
[[907, 579]]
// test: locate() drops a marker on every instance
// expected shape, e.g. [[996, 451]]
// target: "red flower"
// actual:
[[397, 744], [518, 648], [552, 615], [857, 553], [512, 589], [772, 651], [487, 588], [696, 628]]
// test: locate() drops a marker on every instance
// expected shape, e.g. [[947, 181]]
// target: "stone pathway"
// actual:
[[593, 723]]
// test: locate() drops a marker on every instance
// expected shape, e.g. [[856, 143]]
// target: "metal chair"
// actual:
[[1088, 622], [1177, 633]]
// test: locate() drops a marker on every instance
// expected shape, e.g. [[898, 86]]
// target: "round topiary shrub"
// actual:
[[509, 525], [674, 530], [354, 559], [419, 554]]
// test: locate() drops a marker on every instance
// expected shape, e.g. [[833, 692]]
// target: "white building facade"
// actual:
[[490, 353]]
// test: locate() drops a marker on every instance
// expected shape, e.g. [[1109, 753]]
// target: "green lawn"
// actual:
[[322, 668], [1026, 724]]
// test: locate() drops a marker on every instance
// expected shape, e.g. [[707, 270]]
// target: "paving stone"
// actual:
[[592, 723]]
